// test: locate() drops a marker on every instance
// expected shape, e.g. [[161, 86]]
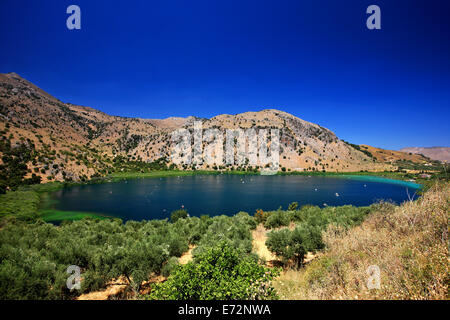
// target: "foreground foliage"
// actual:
[[34, 256], [408, 243], [307, 226], [220, 273]]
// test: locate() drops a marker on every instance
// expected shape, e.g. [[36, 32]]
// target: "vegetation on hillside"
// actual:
[[307, 225], [358, 147], [13, 166], [34, 255], [221, 272], [43, 139], [408, 243]]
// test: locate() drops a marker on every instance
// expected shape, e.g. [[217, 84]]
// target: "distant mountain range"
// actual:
[[435, 153], [71, 141]]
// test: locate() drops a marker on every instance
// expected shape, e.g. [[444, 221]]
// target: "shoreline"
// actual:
[[52, 215]]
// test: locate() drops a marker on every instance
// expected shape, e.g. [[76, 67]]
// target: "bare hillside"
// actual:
[[72, 141], [435, 153]]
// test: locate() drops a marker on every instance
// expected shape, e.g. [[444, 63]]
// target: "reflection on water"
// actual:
[[156, 198]]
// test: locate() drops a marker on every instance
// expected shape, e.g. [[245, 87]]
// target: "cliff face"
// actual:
[[75, 141]]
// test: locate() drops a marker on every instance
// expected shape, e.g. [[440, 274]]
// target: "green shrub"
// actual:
[[278, 242], [19, 204], [3, 187], [178, 214], [278, 219], [170, 266], [13, 165], [177, 245], [260, 216], [221, 273], [307, 236], [233, 230], [245, 218], [293, 245], [293, 206]]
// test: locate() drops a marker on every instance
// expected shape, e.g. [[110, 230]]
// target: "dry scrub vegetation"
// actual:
[[408, 243]]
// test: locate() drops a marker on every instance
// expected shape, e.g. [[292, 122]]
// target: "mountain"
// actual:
[[71, 142], [392, 156], [435, 153]]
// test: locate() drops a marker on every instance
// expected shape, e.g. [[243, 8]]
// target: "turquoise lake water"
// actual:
[[156, 198]]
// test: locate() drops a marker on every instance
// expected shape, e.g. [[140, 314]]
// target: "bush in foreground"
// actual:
[[293, 245], [221, 273]]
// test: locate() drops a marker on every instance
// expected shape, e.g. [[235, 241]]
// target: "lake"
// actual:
[[156, 198]]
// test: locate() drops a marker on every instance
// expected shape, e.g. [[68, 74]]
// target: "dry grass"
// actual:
[[259, 236], [113, 289], [408, 243], [187, 256]]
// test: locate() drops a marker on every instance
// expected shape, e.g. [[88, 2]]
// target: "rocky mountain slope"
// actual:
[[435, 153], [383, 155], [71, 142]]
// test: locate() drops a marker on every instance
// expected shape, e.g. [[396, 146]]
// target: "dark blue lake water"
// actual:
[[155, 198]]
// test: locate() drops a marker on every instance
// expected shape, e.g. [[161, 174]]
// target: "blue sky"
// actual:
[[315, 59]]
